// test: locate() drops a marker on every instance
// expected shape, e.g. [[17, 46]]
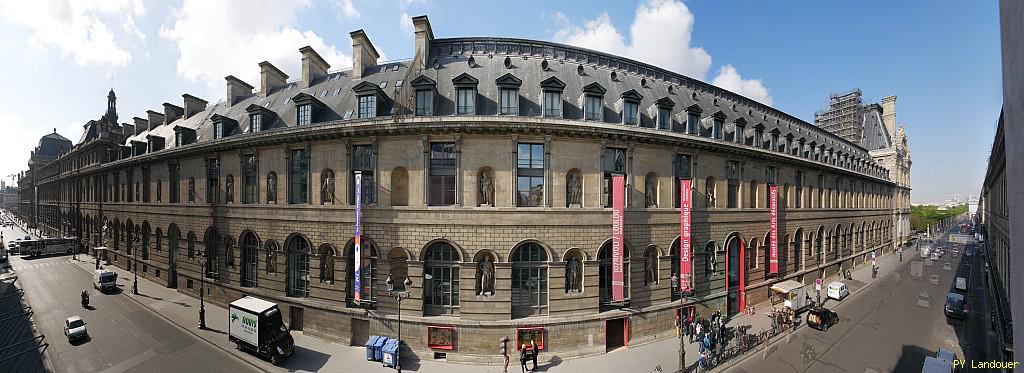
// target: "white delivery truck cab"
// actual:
[[104, 280], [256, 325], [792, 293]]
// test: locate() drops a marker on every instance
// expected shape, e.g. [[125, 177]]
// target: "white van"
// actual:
[[838, 290], [104, 280], [961, 284]]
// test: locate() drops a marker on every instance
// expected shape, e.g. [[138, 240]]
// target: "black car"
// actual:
[[956, 306], [821, 318]]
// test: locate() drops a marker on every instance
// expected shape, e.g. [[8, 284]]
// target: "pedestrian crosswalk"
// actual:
[[23, 266]]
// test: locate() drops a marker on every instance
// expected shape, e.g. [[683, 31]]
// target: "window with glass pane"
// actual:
[[177, 139], [631, 113], [770, 179], [254, 123], [509, 101], [218, 130], [594, 108], [604, 258], [664, 118], [442, 174], [799, 189], [212, 180], [251, 180], [614, 164], [299, 177], [298, 268], [674, 252], [734, 184], [466, 101], [759, 138], [145, 185], [367, 106], [740, 135], [440, 280], [175, 182], [424, 102], [683, 171], [367, 276], [530, 175], [302, 114], [692, 123], [529, 281], [552, 104], [364, 162], [716, 128], [774, 142], [250, 260]]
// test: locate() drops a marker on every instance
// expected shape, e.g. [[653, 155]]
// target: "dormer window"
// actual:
[[740, 135], [155, 143], [552, 88], [774, 144], [789, 145], [367, 106], [307, 107], [184, 136], [759, 136], [631, 107], [508, 94], [465, 90], [425, 88], [260, 118], [223, 126], [254, 123], [594, 101], [693, 120], [218, 130], [178, 139], [372, 99], [717, 124], [665, 106]]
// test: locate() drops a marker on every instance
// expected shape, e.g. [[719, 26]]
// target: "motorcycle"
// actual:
[[85, 299]]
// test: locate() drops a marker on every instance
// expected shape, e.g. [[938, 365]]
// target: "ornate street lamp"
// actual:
[[400, 296], [202, 291], [682, 345]]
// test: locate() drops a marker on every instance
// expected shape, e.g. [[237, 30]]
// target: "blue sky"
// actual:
[[941, 58]]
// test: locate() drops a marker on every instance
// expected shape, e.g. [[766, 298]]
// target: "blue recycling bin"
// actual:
[[390, 358], [378, 346], [369, 347]]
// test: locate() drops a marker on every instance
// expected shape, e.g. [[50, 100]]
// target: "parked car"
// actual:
[[74, 328], [956, 306], [837, 290], [821, 318]]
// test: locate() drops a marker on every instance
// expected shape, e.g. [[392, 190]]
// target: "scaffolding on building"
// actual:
[[842, 117]]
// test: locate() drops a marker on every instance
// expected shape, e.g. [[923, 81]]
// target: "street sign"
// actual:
[[817, 284]]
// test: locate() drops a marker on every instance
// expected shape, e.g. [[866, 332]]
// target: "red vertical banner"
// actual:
[[685, 203], [743, 274], [773, 223], [618, 208]]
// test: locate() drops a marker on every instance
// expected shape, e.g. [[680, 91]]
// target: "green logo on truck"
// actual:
[[248, 321]]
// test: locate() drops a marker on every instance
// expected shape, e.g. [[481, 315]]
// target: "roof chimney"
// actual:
[[237, 90], [423, 37], [172, 113], [889, 115], [363, 53], [155, 119], [140, 125], [270, 78], [313, 66], [195, 104]]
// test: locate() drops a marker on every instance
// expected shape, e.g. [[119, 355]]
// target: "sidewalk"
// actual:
[[315, 354]]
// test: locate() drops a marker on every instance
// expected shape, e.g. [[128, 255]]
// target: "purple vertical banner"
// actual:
[[357, 255]]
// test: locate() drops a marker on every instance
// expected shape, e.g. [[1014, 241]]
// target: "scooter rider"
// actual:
[[85, 298]]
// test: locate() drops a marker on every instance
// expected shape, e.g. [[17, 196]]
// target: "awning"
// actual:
[[787, 286]]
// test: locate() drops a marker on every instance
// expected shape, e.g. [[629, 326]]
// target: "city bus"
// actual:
[[48, 246]]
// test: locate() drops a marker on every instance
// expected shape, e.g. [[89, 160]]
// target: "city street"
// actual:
[[124, 336], [884, 328]]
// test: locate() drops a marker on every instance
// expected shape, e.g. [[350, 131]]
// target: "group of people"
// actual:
[[526, 353], [781, 317], [711, 335]]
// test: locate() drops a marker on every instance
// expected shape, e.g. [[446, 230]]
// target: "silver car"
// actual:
[[74, 328]]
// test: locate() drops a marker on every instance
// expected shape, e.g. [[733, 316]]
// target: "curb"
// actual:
[[771, 341], [230, 352], [45, 356]]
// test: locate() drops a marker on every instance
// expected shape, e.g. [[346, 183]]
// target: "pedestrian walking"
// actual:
[[533, 353], [522, 357], [504, 352]]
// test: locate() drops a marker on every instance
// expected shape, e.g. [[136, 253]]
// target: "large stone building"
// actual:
[[995, 229], [485, 168]]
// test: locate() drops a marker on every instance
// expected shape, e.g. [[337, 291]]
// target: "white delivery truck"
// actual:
[[256, 325], [104, 280], [793, 294]]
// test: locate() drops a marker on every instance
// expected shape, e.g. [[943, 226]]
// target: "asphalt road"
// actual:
[[124, 336], [882, 327]]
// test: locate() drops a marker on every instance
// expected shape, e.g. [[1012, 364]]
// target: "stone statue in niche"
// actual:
[[271, 259], [572, 275], [485, 276], [651, 269], [191, 190], [326, 267], [229, 187], [272, 188], [327, 188], [574, 190], [651, 196], [486, 190], [711, 261]]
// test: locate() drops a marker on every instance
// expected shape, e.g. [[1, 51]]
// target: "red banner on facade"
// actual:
[[618, 208], [685, 203], [773, 223]]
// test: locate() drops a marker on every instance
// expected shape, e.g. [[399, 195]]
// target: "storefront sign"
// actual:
[[773, 223], [618, 208], [685, 201], [526, 334], [441, 337], [357, 255]]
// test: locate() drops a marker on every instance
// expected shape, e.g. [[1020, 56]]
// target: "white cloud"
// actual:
[[730, 79], [405, 23], [90, 32], [347, 8], [660, 35], [220, 38]]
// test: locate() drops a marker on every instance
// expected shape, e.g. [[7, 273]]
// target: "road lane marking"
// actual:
[[124, 366]]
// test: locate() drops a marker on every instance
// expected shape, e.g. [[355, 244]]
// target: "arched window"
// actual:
[[212, 243], [529, 280], [129, 243], [297, 276], [367, 273], [145, 240], [250, 260], [798, 245], [604, 272], [752, 253], [440, 279], [674, 253]]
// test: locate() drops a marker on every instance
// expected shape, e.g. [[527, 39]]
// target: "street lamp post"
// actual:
[[399, 296], [136, 244], [202, 290], [682, 342]]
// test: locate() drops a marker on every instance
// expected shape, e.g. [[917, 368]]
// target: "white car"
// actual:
[[74, 328], [838, 290]]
